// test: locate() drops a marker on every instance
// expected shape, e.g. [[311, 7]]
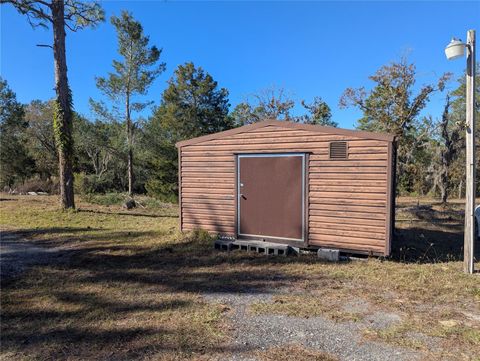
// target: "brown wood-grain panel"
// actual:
[[368, 156], [346, 200], [207, 198], [287, 144], [208, 221], [353, 157], [208, 212], [349, 182], [206, 181], [214, 158], [209, 228], [341, 195], [355, 170], [319, 231], [347, 189], [188, 185], [360, 248], [376, 243], [348, 220], [349, 227], [346, 214], [348, 176], [203, 164], [347, 163], [272, 135], [348, 208], [208, 193], [208, 205], [188, 214], [217, 204], [212, 176], [220, 172], [280, 139]]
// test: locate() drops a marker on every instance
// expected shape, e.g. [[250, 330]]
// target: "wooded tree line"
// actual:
[[121, 150]]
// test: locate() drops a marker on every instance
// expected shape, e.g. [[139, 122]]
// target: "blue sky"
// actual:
[[308, 48]]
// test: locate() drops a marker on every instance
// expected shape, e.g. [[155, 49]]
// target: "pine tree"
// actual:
[[191, 106], [131, 78], [60, 14]]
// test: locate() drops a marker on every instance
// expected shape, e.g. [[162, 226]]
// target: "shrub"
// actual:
[[90, 183], [108, 199], [162, 191]]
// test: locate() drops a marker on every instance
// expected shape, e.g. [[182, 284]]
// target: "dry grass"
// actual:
[[319, 303], [131, 288], [293, 353]]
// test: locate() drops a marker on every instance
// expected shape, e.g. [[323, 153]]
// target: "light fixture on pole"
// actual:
[[455, 50]]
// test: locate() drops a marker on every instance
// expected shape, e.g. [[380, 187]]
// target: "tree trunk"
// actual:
[[444, 177], [63, 121], [447, 152], [130, 147]]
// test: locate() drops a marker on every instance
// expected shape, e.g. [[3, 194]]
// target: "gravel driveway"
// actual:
[[341, 339]]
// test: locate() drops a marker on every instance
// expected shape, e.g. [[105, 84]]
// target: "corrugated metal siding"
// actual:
[[347, 198]]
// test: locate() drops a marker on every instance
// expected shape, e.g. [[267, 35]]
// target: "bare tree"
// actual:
[[450, 136], [394, 105], [270, 103]]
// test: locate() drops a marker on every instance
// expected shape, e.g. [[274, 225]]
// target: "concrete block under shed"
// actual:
[[266, 248], [327, 254], [223, 245]]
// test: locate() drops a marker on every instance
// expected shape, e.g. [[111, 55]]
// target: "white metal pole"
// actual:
[[469, 237]]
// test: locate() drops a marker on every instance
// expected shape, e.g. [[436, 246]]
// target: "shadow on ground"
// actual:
[[69, 287], [430, 234], [51, 311], [136, 214]]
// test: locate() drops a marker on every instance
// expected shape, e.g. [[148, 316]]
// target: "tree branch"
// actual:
[[28, 8], [45, 46]]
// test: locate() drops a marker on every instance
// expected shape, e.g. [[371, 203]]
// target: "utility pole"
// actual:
[[470, 233], [454, 50]]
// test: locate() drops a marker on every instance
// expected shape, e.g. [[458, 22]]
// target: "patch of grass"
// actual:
[[294, 352], [398, 334], [107, 199], [459, 331], [307, 306]]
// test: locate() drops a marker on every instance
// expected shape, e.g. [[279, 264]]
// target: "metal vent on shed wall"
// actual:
[[338, 150]]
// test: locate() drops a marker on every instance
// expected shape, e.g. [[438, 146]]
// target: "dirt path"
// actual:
[[341, 339], [17, 254]]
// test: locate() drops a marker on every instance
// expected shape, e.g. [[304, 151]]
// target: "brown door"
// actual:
[[271, 195]]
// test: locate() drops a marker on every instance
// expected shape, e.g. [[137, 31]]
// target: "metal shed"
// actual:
[[306, 185]]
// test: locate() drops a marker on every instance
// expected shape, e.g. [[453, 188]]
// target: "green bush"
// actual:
[[108, 199], [162, 191], [90, 183]]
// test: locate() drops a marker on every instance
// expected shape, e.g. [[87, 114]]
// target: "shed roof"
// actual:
[[285, 124]]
